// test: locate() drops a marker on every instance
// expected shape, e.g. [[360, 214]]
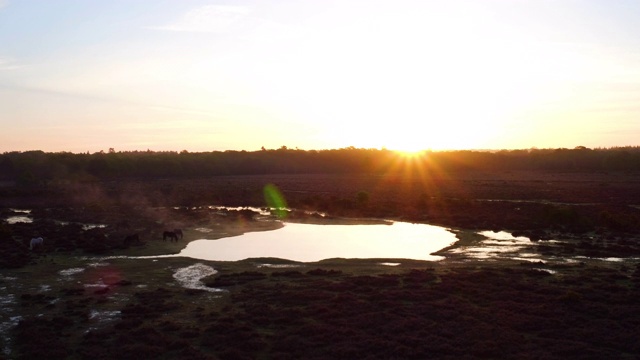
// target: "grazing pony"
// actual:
[[131, 239], [36, 243], [179, 233], [169, 235]]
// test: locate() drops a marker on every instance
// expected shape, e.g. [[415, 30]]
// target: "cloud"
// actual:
[[181, 110], [8, 63], [208, 19], [3, 3]]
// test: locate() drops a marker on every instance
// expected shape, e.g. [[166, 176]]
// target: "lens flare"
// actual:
[[275, 200]]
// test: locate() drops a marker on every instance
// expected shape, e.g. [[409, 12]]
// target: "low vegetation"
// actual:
[[79, 297], [328, 311]]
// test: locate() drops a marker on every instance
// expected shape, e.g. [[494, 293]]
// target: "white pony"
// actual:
[[35, 242]]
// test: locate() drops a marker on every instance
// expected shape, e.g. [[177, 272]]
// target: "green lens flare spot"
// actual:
[[275, 200]]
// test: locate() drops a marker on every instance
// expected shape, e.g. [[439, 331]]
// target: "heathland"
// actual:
[[80, 296]]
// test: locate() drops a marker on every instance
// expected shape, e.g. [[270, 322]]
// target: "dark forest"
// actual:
[[37, 167]]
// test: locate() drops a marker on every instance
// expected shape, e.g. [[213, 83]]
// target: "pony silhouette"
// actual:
[[131, 239], [36, 243], [171, 235]]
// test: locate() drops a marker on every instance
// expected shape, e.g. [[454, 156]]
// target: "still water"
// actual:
[[309, 243]]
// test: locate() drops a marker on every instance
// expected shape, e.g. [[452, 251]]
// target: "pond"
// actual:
[[310, 243]]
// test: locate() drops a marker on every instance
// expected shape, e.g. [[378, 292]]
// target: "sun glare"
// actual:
[[406, 98], [411, 154]]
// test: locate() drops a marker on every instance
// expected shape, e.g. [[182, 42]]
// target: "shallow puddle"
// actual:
[[5, 326], [104, 315], [71, 271], [498, 245], [19, 219], [189, 277], [86, 227], [279, 266]]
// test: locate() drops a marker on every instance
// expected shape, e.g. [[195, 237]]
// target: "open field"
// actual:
[[78, 297]]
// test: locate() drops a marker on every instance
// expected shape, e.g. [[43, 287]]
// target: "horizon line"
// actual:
[[285, 148]]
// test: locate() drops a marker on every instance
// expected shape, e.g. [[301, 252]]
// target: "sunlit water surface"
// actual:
[[24, 218], [309, 243]]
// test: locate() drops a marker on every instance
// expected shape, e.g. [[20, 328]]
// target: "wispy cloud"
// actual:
[[3, 3], [182, 110], [208, 19], [7, 63]]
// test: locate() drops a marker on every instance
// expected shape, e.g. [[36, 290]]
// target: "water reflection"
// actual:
[[309, 243], [19, 219], [93, 226], [190, 276], [22, 218], [500, 244]]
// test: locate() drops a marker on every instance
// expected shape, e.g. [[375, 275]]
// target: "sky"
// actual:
[[196, 75]]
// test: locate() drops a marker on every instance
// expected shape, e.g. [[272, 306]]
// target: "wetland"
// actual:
[[524, 264]]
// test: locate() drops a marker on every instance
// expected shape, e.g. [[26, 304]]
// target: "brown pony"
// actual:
[[171, 235]]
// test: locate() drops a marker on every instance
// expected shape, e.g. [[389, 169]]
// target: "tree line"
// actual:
[[36, 166]]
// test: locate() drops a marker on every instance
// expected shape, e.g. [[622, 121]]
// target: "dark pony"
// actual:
[[171, 235], [36, 243], [131, 239], [178, 233]]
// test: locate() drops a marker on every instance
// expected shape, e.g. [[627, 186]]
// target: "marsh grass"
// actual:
[[74, 301], [335, 308]]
